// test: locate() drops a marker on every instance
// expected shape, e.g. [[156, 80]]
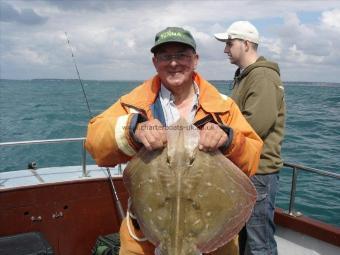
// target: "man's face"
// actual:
[[235, 49], [175, 64]]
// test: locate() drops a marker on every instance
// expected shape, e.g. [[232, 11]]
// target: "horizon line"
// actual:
[[141, 80]]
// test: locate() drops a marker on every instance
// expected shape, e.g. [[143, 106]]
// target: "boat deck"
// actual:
[[294, 243]]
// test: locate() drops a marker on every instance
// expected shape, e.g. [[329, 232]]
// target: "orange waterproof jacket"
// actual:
[[109, 138]]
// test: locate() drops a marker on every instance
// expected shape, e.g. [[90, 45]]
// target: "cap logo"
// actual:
[[170, 34]]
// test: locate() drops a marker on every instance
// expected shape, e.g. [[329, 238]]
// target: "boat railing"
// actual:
[[296, 167], [63, 140], [293, 166]]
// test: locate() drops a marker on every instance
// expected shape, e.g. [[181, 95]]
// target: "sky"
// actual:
[[111, 40]]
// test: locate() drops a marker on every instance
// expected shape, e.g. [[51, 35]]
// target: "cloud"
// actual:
[[299, 56], [331, 19], [330, 31], [303, 36], [112, 39], [26, 16], [28, 56], [273, 46], [303, 44]]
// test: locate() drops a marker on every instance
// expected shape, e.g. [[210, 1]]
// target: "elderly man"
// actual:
[[258, 91], [137, 119]]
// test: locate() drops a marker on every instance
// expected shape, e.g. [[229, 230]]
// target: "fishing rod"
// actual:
[[81, 82], [118, 204]]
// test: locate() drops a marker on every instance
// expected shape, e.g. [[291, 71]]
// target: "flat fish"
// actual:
[[187, 201]]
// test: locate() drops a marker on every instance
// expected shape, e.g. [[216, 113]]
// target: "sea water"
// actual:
[[51, 109]]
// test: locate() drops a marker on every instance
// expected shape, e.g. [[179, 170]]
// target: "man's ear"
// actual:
[[154, 61], [247, 45], [196, 58]]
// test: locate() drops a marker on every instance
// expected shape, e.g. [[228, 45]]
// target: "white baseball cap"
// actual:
[[240, 30]]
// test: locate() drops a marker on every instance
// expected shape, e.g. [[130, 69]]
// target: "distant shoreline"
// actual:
[[287, 83]]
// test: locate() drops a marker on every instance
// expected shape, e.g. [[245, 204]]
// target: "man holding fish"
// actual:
[[140, 119]]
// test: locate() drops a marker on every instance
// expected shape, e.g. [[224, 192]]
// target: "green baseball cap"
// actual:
[[173, 34]]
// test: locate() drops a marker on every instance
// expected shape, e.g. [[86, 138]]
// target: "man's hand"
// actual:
[[151, 134], [211, 137]]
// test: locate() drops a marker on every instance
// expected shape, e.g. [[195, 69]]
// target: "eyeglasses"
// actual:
[[179, 57]]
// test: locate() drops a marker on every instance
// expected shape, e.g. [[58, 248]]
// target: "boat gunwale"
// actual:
[[308, 226], [84, 179]]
